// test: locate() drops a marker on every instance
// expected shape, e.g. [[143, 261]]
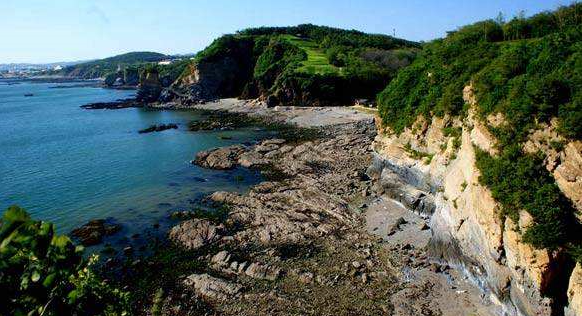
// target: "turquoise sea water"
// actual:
[[69, 165]]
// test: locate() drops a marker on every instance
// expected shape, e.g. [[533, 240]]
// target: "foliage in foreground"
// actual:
[[42, 273]]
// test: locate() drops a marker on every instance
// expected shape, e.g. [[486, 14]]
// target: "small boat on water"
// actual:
[[28, 95]]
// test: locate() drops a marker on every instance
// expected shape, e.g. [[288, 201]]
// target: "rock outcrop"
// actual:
[[223, 158], [158, 128], [94, 231], [150, 87], [211, 287], [436, 176], [575, 293], [218, 76], [295, 242], [129, 77], [222, 261], [195, 233], [568, 174]]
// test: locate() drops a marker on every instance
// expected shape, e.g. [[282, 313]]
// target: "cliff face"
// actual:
[[150, 87], [435, 175], [219, 76], [128, 77]]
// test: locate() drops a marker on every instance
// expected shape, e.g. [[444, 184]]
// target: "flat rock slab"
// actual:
[[211, 287], [396, 224], [429, 293], [427, 289]]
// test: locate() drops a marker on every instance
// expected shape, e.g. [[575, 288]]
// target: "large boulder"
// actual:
[[220, 158], [210, 287], [195, 233]]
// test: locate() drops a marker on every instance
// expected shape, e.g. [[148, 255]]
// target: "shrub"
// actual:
[[520, 181], [42, 273]]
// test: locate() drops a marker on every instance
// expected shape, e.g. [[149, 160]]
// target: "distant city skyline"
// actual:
[[39, 31]]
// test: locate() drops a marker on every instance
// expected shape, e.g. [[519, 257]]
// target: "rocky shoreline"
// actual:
[[313, 239]]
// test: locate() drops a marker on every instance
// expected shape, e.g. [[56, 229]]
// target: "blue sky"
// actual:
[[65, 30]]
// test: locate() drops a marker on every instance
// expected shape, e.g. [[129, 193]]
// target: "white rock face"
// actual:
[[465, 221], [568, 174], [575, 293]]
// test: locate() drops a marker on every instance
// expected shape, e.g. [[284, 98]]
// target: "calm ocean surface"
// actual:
[[68, 165]]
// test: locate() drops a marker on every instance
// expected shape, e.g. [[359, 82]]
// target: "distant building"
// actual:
[[164, 62], [57, 68]]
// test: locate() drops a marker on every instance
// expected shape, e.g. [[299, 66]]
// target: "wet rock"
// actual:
[[195, 233], [211, 287], [115, 105], [274, 141], [211, 125], [158, 128], [182, 215], [93, 232], [272, 101]]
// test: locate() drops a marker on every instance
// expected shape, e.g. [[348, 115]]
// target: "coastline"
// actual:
[[312, 238]]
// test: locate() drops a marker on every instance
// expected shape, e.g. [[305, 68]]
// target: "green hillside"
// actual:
[[530, 71], [102, 67], [309, 64]]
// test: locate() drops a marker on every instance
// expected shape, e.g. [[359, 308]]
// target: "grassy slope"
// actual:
[[317, 62]]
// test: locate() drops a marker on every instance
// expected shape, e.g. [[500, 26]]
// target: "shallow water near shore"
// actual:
[[68, 165]]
